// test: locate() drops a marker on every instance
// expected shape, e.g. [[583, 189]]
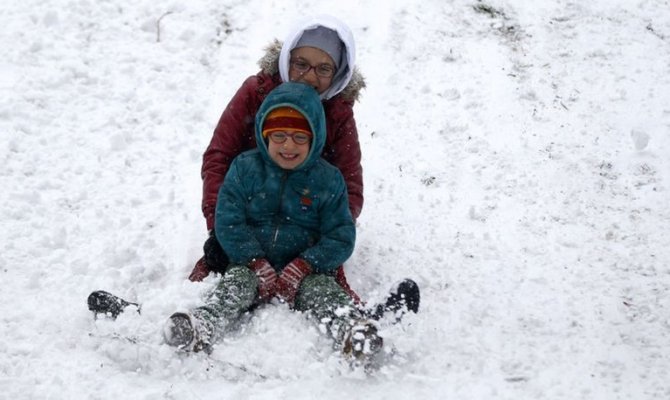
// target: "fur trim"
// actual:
[[269, 64]]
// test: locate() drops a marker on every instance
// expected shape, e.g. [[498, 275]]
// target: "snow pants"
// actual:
[[319, 295]]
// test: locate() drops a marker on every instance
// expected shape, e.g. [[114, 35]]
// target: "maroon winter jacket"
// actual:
[[234, 134]]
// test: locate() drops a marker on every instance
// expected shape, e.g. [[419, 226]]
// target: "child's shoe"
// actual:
[[362, 344], [187, 333]]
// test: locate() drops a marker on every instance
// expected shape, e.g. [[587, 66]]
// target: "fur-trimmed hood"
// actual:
[[307, 102], [269, 64]]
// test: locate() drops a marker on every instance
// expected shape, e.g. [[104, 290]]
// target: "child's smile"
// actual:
[[288, 155]]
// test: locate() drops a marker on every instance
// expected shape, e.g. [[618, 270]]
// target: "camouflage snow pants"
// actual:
[[319, 295]]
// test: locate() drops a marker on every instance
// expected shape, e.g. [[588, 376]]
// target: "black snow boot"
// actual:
[[403, 297], [101, 302]]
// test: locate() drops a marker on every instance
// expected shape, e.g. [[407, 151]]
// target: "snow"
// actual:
[[516, 159]]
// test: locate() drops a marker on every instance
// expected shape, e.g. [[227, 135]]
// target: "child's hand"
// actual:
[[290, 278], [267, 278]]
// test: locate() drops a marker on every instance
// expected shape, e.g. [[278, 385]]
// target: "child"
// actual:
[[283, 221], [320, 52]]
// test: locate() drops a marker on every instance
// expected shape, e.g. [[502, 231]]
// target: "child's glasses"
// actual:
[[297, 137]]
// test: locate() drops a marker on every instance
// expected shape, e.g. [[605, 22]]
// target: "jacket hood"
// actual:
[[304, 99], [347, 80]]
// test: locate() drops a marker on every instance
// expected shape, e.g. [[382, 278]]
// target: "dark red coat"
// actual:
[[234, 134]]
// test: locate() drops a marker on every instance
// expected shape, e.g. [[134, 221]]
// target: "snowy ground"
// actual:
[[516, 160]]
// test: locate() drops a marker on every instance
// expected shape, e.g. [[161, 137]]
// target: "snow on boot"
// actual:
[[187, 333], [362, 344], [101, 302], [403, 297]]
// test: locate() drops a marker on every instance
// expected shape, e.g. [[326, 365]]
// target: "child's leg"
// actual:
[[232, 296], [197, 329], [333, 307], [328, 303]]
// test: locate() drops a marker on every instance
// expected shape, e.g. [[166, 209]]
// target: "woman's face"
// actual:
[[315, 59]]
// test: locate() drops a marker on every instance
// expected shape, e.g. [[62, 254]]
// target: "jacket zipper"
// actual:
[[278, 215]]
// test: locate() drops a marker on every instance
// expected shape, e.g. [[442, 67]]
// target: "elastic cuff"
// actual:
[[302, 265], [257, 263]]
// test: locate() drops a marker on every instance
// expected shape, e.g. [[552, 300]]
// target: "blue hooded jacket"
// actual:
[[264, 211]]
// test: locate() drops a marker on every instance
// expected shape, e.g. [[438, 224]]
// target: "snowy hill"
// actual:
[[516, 161]]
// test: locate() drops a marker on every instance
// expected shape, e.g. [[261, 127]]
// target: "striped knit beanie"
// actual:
[[283, 118]]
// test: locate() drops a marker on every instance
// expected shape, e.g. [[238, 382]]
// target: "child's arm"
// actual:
[[338, 232], [235, 236]]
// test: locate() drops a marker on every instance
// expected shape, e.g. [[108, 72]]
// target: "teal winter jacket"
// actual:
[[264, 211]]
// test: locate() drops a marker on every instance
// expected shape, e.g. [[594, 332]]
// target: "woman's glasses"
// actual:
[[321, 70], [297, 137]]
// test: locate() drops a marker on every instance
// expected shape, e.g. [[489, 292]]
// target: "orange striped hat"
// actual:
[[283, 118]]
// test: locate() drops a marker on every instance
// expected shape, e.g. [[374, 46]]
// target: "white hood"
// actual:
[[344, 73]]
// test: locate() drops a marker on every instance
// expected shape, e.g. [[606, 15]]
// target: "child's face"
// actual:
[[289, 154], [315, 58]]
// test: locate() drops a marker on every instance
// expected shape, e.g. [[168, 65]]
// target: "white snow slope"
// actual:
[[516, 160]]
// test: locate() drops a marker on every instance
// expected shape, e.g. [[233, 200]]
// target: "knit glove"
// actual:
[[267, 278], [291, 277]]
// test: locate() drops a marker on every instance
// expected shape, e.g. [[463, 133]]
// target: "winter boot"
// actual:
[[403, 297], [188, 333], [101, 302], [362, 344]]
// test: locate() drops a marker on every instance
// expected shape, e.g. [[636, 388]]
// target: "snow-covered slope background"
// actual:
[[516, 160]]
